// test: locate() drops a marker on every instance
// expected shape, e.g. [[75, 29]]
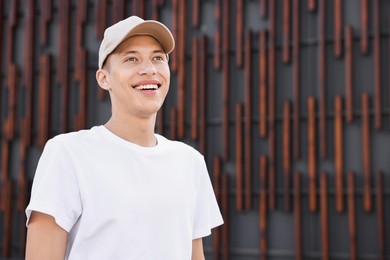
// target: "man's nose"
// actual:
[[147, 67]]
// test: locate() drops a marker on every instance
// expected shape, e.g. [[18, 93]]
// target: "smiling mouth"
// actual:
[[147, 87]]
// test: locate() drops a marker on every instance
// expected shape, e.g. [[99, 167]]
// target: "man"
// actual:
[[120, 191]]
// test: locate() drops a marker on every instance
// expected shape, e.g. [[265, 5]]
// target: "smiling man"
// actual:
[[119, 190]]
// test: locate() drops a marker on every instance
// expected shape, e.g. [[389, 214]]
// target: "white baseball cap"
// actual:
[[134, 25]]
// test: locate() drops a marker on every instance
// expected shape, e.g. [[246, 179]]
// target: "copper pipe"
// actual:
[[217, 35], [324, 216], [380, 214], [338, 152], [63, 61], [338, 19], [377, 62], [194, 88], [287, 153], [349, 73], [172, 122], [225, 78], [119, 7], [81, 67], [364, 26], [297, 216], [202, 94], [6, 192], [225, 212], [263, 8], [322, 79], [296, 80], [28, 71], [195, 13], [272, 105], [239, 32], [248, 122], [44, 100], [238, 157], [263, 207], [286, 30], [311, 153], [46, 17], [263, 84], [181, 69], [351, 216], [366, 147], [312, 5], [217, 190]]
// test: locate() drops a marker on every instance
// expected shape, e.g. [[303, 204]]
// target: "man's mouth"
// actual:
[[147, 87]]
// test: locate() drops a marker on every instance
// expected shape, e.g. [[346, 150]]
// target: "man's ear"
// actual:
[[102, 79]]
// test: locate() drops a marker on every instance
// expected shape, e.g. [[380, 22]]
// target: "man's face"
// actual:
[[138, 76]]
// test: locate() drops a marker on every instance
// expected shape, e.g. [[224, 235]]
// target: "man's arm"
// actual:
[[45, 239], [197, 249]]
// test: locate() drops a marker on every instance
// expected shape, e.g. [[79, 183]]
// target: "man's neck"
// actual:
[[137, 131]]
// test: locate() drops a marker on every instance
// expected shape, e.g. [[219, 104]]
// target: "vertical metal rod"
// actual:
[[272, 105], [338, 19], [44, 100], [202, 94], [217, 35], [172, 123], [63, 61], [311, 153], [366, 149], [263, 8], [297, 216], [377, 69], [195, 13], [286, 30], [263, 84], [46, 16], [225, 78], [287, 153], [225, 212], [119, 7], [239, 32], [263, 207], [217, 191], [351, 216], [380, 214], [349, 73], [324, 216], [238, 157], [81, 67], [296, 80], [364, 26], [248, 122], [195, 88], [322, 78], [312, 5], [338, 152], [173, 60]]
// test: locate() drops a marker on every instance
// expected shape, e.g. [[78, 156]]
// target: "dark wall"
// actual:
[[287, 99]]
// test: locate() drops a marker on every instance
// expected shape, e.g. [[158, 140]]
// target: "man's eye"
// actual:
[[131, 59], [159, 58]]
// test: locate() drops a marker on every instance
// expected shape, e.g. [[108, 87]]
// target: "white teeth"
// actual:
[[147, 87]]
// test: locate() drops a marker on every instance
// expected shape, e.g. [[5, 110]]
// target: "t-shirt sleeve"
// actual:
[[55, 189], [207, 214]]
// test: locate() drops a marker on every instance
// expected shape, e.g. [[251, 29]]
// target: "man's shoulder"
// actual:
[[179, 146], [75, 137]]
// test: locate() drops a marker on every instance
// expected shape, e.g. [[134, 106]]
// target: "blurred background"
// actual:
[[288, 100]]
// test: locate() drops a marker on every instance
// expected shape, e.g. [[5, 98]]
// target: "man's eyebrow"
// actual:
[[159, 51], [136, 52]]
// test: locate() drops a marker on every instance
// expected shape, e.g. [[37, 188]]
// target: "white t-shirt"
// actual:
[[119, 200]]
